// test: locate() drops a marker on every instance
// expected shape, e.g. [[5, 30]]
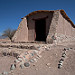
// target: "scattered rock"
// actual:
[[39, 56], [5, 73], [20, 59], [15, 55], [8, 54], [22, 66], [33, 64], [46, 49], [71, 48], [65, 49], [59, 66], [68, 48], [56, 54], [53, 37], [13, 66], [63, 55], [32, 47], [26, 64], [35, 59], [48, 64], [24, 56], [16, 61], [36, 69], [11, 53], [26, 60], [38, 47], [10, 47], [32, 54], [61, 63], [4, 53], [61, 60], [36, 52], [26, 53], [31, 60]]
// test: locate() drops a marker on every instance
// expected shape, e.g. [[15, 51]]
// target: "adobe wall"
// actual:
[[21, 34], [58, 29], [31, 24], [51, 35], [64, 30]]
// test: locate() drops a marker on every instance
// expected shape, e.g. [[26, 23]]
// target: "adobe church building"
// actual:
[[45, 25]]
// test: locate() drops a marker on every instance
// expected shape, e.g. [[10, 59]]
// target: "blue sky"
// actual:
[[11, 11]]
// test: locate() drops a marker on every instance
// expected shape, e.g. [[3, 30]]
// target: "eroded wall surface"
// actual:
[[51, 35], [58, 29], [64, 30], [21, 34]]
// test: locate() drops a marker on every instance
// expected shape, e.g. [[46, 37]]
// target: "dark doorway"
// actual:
[[40, 30]]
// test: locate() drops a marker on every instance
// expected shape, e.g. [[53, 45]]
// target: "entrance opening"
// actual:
[[40, 30]]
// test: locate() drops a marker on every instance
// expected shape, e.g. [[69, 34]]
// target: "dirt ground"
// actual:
[[46, 65]]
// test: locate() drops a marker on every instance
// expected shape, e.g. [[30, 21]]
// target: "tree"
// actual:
[[9, 33]]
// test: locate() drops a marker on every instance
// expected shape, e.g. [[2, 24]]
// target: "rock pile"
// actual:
[[26, 58], [5, 53], [23, 60], [18, 46], [64, 54]]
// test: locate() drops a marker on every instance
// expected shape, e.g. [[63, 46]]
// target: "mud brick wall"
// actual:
[[64, 30], [21, 34], [52, 30], [58, 27]]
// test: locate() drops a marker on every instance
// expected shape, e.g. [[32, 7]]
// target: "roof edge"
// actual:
[[61, 11], [38, 11], [66, 17]]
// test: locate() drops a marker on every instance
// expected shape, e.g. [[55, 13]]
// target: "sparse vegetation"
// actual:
[[9, 33]]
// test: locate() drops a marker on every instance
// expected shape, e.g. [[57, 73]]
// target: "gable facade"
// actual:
[[43, 25]]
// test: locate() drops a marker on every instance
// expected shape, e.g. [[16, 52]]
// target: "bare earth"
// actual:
[[46, 65]]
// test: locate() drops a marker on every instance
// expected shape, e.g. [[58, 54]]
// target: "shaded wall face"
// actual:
[[31, 23]]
